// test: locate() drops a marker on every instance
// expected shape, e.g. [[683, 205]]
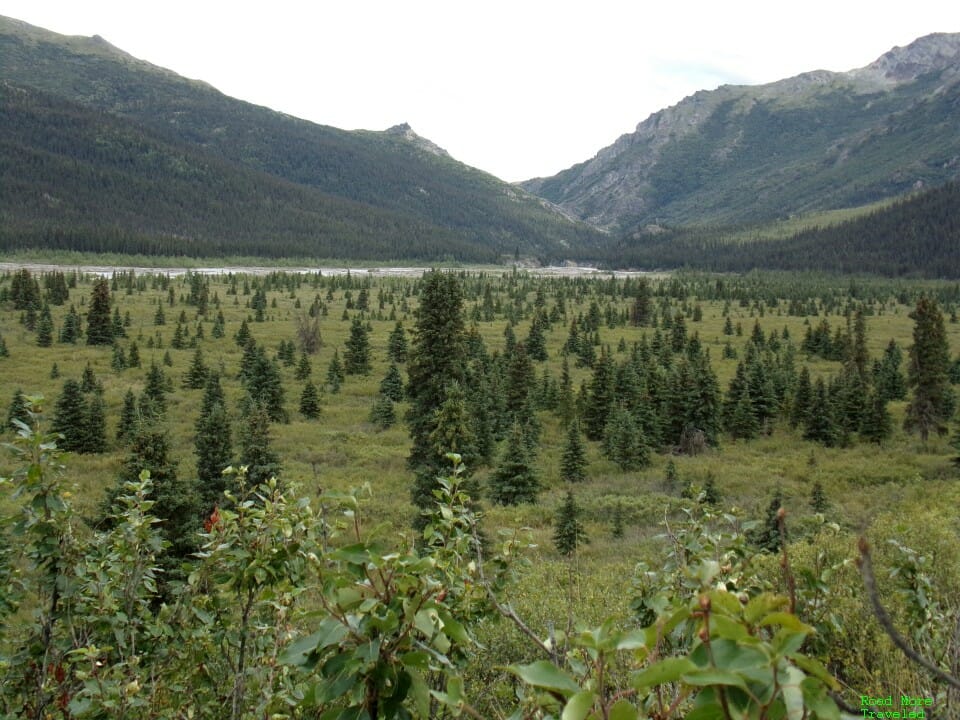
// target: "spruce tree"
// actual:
[[601, 398], [436, 359], [118, 359], [95, 428], [392, 384], [45, 327], [515, 480], [710, 494], [133, 356], [382, 414], [310, 401], [802, 399], [264, 385], [335, 374], [888, 378], [397, 344], [88, 380], [818, 498], [155, 391], [99, 321], [4, 351], [821, 425], [624, 443], [617, 523], [255, 451], [212, 442], [876, 425], [196, 376], [568, 531], [573, 462], [356, 355], [767, 536], [17, 411], [932, 404], [453, 430], [304, 369], [128, 417], [70, 417]]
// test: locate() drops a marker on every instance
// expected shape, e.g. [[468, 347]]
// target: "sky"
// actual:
[[518, 88]]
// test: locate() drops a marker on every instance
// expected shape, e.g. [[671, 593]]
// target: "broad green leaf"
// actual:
[[812, 666], [623, 710], [663, 671], [762, 606], [725, 602], [632, 640], [545, 674], [711, 676], [578, 707], [785, 619], [724, 627], [330, 632], [787, 641]]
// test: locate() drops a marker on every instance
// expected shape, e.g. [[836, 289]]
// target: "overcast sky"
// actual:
[[520, 89]]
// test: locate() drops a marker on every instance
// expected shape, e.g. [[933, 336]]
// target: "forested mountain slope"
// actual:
[[392, 170]]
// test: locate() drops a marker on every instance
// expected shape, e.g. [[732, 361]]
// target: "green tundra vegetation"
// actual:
[[653, 509]]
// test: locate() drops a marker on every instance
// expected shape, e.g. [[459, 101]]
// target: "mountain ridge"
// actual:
[[652, 172], [394, 171]]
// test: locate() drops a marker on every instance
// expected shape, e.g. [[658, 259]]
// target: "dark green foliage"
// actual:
[[536, 343], [767, 536], [261, 379], [397, 344], [382, 414], [670, 476], [335, 373], [212, 444], [99, 322], [70, 417], [435, 361], [515, 480], [255, 450], [573, 462], [304, 368], [310, 401], [392, 385], [88, 380], [601, 398], [133, 356], [453, 429], [888, 377], [118, 358], [196, 376], [818, 498], [94, 438], [642, 308], [243, 335], [129, 417], [802, 399], [45, 327], [876, 425], [54, 370], [710, 494], [616, 528], [154, 391], [568, 531], [624, 443], [17, 410], [821, 425], [24, 290], [932, 404]]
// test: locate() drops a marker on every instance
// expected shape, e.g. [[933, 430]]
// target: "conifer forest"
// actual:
[[483, 494]]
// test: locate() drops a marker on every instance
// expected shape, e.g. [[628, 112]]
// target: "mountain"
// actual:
[[388, 187], [743, 154], [917, 235]]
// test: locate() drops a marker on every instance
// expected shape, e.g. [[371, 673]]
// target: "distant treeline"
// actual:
[[917, 236]]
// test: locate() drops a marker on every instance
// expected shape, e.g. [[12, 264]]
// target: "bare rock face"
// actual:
[[932, 53]]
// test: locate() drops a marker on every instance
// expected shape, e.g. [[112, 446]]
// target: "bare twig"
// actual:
[[866, 570]]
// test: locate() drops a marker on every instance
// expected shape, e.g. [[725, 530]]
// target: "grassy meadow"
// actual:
[[901, 489]]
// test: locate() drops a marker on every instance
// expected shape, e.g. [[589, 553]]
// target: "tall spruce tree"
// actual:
[[212, 444], [573, 462], [515, 480], [821, 425], [876, 423], [568, 531], [310, 401], [70, 417], [436, 359], [196, 375], [356, 354], [932, 404], [95, 427], [392, 384], [397, 344], [17, 410], [255, 446], [99, 320], [624, 443], [128, 417]]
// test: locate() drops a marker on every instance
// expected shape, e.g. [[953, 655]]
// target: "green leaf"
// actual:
[[724, 627], [762, 606], [663, 671], [623, 710], [545, 674], [330, 632], [725, 602], [792, 694], [711, 676], [632, 640], [812, 666], [785, 619], [578, 707]]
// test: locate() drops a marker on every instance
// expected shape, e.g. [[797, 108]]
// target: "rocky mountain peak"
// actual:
[[406, 132], [931, 53]]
